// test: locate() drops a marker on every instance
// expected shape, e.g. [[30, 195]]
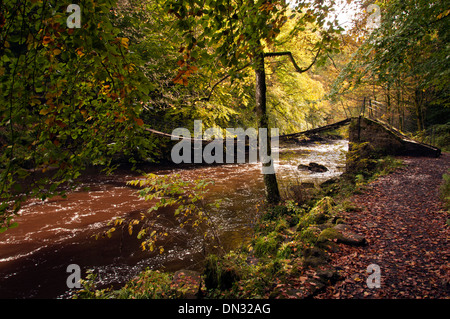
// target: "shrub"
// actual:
[[318, 214], [287, 250], [222, 272], [437, 135], [266, 245], [149, 285]]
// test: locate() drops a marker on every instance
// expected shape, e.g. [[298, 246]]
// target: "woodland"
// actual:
[[100, 92]]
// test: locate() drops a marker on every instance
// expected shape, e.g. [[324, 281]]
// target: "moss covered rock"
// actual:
[[343, 234]]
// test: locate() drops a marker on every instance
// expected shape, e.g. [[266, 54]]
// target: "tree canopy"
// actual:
[[72, 97], [404, 62]]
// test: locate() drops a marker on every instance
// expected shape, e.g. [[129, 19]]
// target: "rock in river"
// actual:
[[313, 167]]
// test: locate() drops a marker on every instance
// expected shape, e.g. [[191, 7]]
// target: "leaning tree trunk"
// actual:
[[270, 179]]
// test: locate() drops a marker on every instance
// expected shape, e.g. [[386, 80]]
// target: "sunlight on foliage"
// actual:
[[186, 202]]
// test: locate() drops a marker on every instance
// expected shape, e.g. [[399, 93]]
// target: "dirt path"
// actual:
[[404, 224]]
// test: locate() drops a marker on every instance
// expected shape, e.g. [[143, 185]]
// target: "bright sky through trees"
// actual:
[[345, 11]]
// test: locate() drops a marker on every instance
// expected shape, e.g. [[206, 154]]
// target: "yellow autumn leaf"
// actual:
[[34, 101], [45, 111], [443, 14], [124, 42], [56, 51]]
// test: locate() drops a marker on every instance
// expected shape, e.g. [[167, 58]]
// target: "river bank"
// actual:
[[287, 257], [57, 232]]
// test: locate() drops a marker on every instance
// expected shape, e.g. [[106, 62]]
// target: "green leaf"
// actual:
[[13, 225]]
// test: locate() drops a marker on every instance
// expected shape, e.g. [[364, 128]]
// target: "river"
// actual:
[[57, 232]]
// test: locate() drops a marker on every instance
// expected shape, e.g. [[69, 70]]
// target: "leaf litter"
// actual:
[[404, 223]]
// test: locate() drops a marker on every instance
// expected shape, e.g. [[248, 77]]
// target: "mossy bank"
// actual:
[[288, 255]]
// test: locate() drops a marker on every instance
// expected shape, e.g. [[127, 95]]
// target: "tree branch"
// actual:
[[269, 54], [334, 64], [440, 19], [206, 99], [291, 57]]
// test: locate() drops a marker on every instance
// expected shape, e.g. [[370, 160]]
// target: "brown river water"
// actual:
[[57, 232]]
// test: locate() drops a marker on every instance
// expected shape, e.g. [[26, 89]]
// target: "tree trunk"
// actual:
[[418, 101], [388, 106], [270, 180]]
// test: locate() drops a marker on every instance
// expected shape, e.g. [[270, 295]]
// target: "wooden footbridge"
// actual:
[[362, 129], [329, 127], [380, 134], [317, 130]]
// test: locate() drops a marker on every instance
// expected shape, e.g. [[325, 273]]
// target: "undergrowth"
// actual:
[[289, 240], [445, 190]]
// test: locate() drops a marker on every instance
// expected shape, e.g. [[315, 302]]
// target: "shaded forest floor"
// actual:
[[404, 223]]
